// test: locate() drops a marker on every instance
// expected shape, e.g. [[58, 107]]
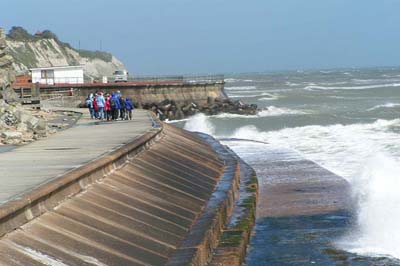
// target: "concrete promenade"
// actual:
[[118, 193], [27, 167]]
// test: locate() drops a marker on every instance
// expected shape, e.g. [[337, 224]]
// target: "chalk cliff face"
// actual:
[[45, 49], [6, 61]]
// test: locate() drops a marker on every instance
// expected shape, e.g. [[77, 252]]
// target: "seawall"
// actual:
[[141, 92], [162, 198]]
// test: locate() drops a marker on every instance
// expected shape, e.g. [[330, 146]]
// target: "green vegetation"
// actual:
[[26, 56], [19, 34], [231, 238], [96, 55]]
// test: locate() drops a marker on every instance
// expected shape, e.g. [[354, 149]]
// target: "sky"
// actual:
[[161, 37]]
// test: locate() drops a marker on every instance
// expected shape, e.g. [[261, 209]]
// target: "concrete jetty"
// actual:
[[117, 193]]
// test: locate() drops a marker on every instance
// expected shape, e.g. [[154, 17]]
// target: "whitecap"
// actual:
[[240, 88], [269, 111], [314, 88], [367, 156], [244, 95], [382, 106], [230, 80]]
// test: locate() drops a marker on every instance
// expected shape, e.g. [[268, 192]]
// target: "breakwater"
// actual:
[[164, 197]]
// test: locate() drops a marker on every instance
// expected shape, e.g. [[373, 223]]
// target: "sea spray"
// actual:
[[377, 191], [350, 126], [200, 123]]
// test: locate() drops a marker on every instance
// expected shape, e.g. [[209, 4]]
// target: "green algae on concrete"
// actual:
[[236, 235]]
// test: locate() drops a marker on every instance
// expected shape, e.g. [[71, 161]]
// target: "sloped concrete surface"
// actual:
[[139, 213]]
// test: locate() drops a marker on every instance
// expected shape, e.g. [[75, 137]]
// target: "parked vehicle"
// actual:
[[121, 76]]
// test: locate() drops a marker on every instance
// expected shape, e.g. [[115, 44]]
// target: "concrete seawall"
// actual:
[[181, 93], [162, 198]]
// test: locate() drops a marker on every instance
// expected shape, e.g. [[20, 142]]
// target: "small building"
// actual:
[[57, 75]]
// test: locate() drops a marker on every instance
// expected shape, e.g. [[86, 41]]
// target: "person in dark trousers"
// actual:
[[114, 103], [89, 104], [122, 109], [129, 106]]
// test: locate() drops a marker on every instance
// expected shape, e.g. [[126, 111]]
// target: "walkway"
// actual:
[[27, 167]]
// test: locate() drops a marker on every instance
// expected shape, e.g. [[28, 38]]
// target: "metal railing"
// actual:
[[183, 79], [61, 80], [179, 78]]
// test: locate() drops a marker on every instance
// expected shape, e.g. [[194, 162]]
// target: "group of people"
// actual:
[[109, 107]]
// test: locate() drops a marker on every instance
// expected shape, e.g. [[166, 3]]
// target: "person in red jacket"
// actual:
[[107, 107], [96, 108]]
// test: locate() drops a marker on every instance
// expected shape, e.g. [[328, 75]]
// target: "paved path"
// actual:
[[26, 167]]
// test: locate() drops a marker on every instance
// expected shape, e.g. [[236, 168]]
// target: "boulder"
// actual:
[[11, 135]]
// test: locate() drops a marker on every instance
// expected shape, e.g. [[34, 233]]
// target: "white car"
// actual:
[[121, 76]]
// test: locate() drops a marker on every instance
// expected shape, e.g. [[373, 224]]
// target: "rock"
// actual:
[[168, 109], [11, 135]]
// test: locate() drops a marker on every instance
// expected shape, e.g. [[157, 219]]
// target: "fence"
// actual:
[[178, 79]]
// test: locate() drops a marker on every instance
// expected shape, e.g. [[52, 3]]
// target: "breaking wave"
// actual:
[[269, 111], [200, 123], [314, 88], [240, 88], [386, 105], [367, 156]]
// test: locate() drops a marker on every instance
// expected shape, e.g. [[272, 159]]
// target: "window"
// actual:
[[47, 74]]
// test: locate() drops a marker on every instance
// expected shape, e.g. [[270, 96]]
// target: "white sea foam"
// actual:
[[367, 156], [270, 97], [200, 123], [244, 95], [379, 212], [240, 88], [270, 111], [176, 121], [382, 106], [291, 84], [314, 88], [278, 111], [230, 80]]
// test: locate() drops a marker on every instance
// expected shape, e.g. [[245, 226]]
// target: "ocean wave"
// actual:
[[270, 97], [269, 111], [230, 80], [292, 84], [314, 88], [240, 88], [244, 95], [367, 156], [375, 81], [200, 123], [382, 106], [176, 121]]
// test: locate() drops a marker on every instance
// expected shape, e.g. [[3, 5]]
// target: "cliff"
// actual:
[[45, 49], [17, 125]]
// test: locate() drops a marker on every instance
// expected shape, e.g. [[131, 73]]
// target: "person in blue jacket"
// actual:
[[115, 106], [129, 106]]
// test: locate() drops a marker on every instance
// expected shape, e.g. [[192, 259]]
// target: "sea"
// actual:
[[345, 120]]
